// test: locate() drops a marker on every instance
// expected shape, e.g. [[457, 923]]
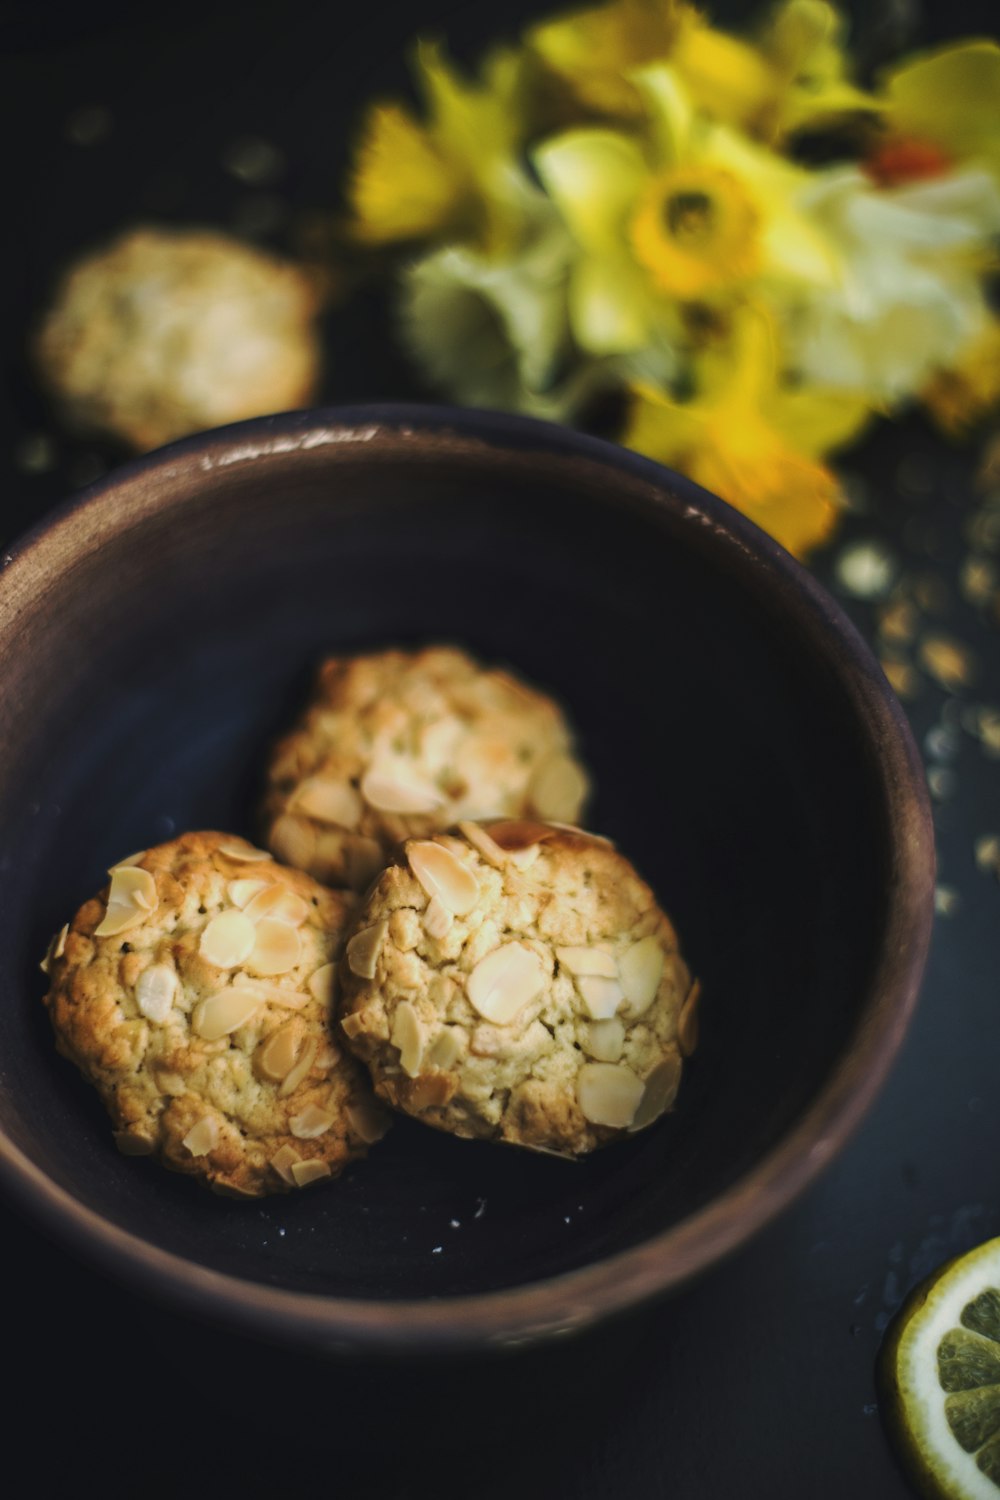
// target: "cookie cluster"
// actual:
[[505, 975]]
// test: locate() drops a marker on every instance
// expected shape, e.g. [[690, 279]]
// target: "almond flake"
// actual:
[[321, 984], [444, 1049], [588, 961], [154, 993], [444, 876], [558, 788], [279, 902], [203, 1136], [223, 1013], [283, 1161], [660, 1092], [641, 969], [483, 844], [241, 892], [239, 849], [608, 1094], [130, 1143], [363, 950], [277, 948], [687, 1021], [396, 789], [504, 982], [131, 898], [515, 835], [133, 859], [293, 840], [306, 1059], [59, 941], [328, 802], [276, 1055], [408, 1036], [310, 1122], [368, 1121], [601, 997], [606, 1040], [228, 939], [169, 1082], [305, 1172], [438, 920]]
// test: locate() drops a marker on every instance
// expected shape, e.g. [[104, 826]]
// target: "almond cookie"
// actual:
[[196, 994], [400, 744], [518, 982]]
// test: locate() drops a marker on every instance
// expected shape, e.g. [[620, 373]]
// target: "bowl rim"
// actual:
[[573, 1300]]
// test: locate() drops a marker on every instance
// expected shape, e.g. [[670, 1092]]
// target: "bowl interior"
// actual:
[[166, 642]]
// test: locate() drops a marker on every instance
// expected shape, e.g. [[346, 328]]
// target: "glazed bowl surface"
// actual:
[[748, 756]]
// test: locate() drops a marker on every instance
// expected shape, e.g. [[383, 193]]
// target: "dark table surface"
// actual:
[[758, 1380]]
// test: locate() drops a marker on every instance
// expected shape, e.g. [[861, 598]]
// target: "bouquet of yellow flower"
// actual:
[[622, 205]]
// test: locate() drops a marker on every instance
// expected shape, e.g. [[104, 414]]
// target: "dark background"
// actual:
[[758, 1381]]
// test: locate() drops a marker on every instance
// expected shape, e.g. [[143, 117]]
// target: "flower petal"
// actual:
[[593, 177], [403, 187], [950, 96], [609, 307]]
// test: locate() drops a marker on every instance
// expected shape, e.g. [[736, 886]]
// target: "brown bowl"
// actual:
[[748, 755]]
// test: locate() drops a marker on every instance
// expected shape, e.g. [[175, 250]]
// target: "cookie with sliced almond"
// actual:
[[400, 744], [196, 992], [516, 981]]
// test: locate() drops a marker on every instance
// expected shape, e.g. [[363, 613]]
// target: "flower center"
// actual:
[[695, 230], [689, 217]]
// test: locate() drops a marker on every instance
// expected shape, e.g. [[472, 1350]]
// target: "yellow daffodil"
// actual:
[[458, 174], [960, 397], [909, 296], [688, 210], [804, 43], [749, 439], [951, 98]]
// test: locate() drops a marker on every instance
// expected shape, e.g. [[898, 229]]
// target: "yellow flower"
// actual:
[[961, 396], [456, 175], [950, 97], [751, 440], [691, 210], [804, 44]]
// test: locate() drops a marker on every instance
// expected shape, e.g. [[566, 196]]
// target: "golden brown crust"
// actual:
[[398, 744], [517, 983], [195, 993]]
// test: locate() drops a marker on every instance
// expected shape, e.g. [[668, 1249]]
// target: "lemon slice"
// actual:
[[940, 1375]]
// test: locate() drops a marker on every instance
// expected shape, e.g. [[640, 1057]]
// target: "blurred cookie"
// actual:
[[167, 332], [195, 993], [400, 744], [518, 982]]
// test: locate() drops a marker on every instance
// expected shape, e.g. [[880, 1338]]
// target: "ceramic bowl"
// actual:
[[748, 756]]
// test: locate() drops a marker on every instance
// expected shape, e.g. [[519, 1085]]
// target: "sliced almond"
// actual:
[[168, 1082], [559, 788], [352, 1025], [398, 789], [293, 840], [242, 891], [224, 1013], [687, 1021], [444, 1050], [407, 1034], [283, 1161], [155, 991], [276, 1055], [328, 802], [504, 982], [641, 969], [440, 873], [438, 920], [364, 860], [660, 1092], [133, 859], [310, 1122], [306, 1059], [321, 984], [59, 945], [277, 947], [203, 1136], [364, 948], [588, 961], [608, 1094], [305, 1172], [480, 840], [228, 939], [517, 834], [131, 898], [279, 902], [134, 1143], [239, 849], [368, 1121], [606, 1040], [601, 997]]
